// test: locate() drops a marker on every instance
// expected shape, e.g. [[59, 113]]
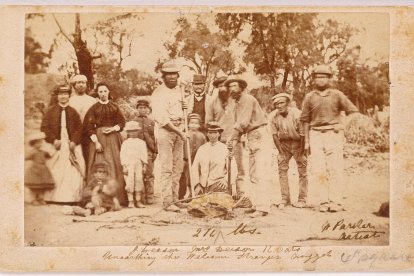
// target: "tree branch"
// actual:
[[63, 31]]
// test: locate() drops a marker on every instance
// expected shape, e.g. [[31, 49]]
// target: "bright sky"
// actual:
[[156, 28]]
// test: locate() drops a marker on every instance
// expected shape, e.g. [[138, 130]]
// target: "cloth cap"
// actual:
[[170, 67], [212, 125], [62, 89], [194, 116], [143, 102], [199, 79], [77, 78], [219, 81], [100, 165], [322, 69], [276, 98], [132, 126], [36, 136], [242, 83]]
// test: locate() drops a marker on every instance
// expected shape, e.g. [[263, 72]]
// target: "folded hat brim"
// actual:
[[242, 82]]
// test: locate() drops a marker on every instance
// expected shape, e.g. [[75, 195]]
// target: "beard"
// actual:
[[223, 95], [322, 87]]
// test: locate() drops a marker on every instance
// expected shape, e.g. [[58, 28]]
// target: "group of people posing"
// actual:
[[120, 171], [90, 161]]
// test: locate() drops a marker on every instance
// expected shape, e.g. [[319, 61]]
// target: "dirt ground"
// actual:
[[367, 187]]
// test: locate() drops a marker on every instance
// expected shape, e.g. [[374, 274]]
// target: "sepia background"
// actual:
[[273, 52], [15, 256]]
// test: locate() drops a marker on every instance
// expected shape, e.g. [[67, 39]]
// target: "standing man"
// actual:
[[220, 109], [81, 102], [288, 136], [197, 101], [324, 137], [147, 134], [167, 108], [250, 119]]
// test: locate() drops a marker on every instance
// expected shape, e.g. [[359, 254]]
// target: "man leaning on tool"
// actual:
[[324, 138], [250, 119], [220, 109], [167, 109]]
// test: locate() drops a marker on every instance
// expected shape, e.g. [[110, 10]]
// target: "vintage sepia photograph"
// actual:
[[206, 128]]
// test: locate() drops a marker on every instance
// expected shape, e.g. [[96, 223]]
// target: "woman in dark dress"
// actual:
[[103, 123]]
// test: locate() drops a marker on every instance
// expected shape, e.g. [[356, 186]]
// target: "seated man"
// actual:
[[209, 168]]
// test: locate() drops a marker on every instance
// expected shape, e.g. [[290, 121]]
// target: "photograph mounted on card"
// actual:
[[163, 139]]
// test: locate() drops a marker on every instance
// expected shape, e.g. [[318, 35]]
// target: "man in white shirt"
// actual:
[[209, 166], [81, 102], [167, 109]]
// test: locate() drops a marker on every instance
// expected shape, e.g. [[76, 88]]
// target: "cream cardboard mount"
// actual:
[[49, 238]]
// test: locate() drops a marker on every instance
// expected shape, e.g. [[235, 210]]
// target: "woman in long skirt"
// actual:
[[63, 129], [103, 123]]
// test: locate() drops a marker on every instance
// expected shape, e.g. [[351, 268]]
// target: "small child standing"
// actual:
[[37, 176], [196, 139], [134, 158], [100, 194], [147, 134]]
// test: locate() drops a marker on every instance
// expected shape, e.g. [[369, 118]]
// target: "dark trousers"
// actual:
[[292, 148], [149, 179], [184, 181]]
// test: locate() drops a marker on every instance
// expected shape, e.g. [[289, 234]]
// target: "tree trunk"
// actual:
[[83, 54], [272, 81]]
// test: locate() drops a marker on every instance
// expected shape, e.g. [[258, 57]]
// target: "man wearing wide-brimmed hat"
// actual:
[[250, 119], [324, 137], [220, 109], [209, 167], [197, 102], [167, 109], [288, 136]]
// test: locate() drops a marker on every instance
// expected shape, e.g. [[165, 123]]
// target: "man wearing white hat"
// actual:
[[289, 138], [167, 109], [79, 100]]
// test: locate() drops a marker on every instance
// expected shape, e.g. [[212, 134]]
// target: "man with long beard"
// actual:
[[250, 119], [220, 109]]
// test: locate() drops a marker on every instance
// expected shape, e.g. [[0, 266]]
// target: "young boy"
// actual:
[[100, 194], [197, 139], [147, 134], [134, 158]]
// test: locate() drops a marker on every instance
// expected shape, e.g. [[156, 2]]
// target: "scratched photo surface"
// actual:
[[305, 111], [274, 53]]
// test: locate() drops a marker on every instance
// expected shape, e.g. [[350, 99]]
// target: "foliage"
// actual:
[[205, 52], [124, 83], [83, 54], [117, 36], [361, 130], [35, 60], [284, 46], [366, 86]]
